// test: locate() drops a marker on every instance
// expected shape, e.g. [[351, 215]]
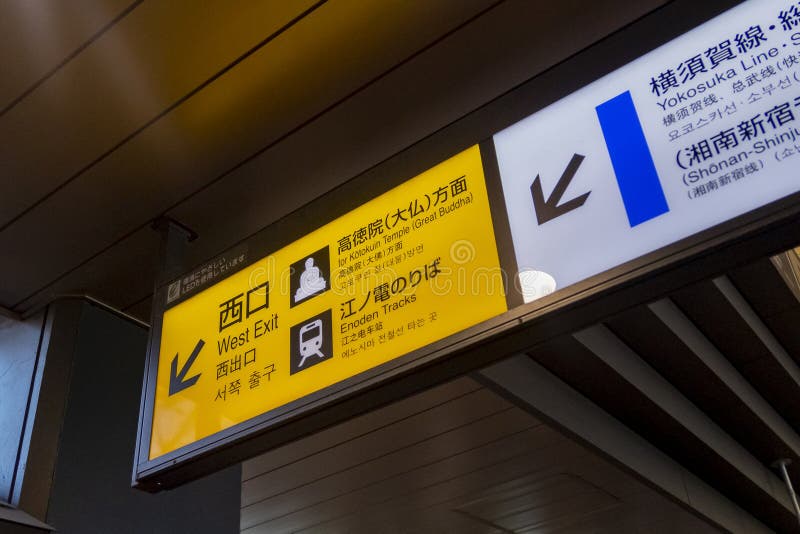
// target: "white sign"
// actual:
[[697, 132]]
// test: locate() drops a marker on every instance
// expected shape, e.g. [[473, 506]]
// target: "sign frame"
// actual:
[[766, 230]]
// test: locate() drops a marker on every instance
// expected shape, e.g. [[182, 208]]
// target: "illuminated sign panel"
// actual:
[[404, 270], [693, 134]]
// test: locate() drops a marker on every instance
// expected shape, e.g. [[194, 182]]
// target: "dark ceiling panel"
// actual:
[[576, 365], [711, 312], [762, 286], [667, 353], [540, 501], [39, 36], [533, 476], [117, 276], [148, 61], [275, 89], [357, 427], [141, 309], [411, 498], [709, 309], [374, 445], [426, 454]]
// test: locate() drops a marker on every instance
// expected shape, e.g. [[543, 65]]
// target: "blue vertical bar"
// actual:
[[633, 164]]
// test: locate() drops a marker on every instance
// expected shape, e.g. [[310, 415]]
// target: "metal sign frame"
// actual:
[[767, 230]]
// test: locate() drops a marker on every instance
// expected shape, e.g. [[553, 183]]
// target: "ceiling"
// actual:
[[708, 375], [226, 116], [457, 458]]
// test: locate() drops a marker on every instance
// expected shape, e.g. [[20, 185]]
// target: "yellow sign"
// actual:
[[408, 268]]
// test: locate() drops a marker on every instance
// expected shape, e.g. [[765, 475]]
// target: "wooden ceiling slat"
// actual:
[[393, 462], [359, 426], [377, 444], [428, 486]]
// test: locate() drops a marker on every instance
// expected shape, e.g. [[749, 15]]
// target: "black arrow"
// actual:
[[176, 379], [549, 209]]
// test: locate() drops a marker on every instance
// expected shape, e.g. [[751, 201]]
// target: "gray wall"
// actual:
[[73, 458], [19, 343], [91, 485]]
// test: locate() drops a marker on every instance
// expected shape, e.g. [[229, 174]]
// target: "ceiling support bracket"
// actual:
[[781, 466], [174, 238]]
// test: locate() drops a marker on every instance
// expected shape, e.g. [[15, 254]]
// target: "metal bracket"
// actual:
[[174, 237], [781, 466]]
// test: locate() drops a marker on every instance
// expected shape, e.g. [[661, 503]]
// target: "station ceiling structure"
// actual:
[[228, 116]]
